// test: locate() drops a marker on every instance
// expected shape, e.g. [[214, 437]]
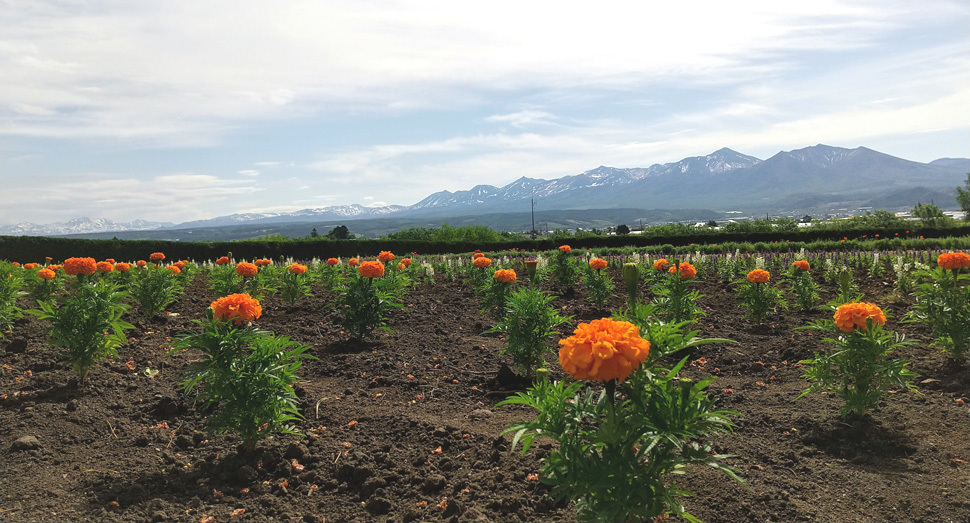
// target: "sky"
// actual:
[[183, 110]]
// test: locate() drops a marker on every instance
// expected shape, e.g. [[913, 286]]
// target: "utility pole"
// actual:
[[533, 214]]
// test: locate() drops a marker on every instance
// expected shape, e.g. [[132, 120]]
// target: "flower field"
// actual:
[[398, 390]]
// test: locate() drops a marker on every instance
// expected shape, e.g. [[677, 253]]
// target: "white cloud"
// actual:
[[174, 197], [375, 104], [164, 71]]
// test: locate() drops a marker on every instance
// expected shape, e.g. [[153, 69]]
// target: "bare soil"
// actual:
[[404, 427]]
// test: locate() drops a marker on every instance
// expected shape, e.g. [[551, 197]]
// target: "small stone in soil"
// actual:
[[25, 443]]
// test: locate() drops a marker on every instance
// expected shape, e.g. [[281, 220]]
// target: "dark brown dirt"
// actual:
[[404, 427]]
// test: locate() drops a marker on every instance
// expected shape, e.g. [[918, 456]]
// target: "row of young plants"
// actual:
[[617, 444]]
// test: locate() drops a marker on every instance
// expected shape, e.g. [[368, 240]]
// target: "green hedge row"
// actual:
[[35, 249]]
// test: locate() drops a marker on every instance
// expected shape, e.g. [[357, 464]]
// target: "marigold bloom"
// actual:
[[296, 268], [246, 270], [16, 264], [263, 262], [758, 276], [603, 349], [371, 269], [801, 265], [385, 256], [110, 260], [333, 261], [46, 274], [28, 266], [478, 255], [181, 264], [174, 269], [156, 256], [75, 266], [851, 316], [222, 260], [597, 263], [505, 275], [237, 307], [950, 260], [122, 267], [353, 262], [104, 266], [565, 249], [141, 263], [661, 265], [401, 267], [687, 271], [406, 262], [482, 262]]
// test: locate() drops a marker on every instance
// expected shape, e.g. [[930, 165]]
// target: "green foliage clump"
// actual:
[[154, 288], [246, 376], [11, 282], [529, 321], [943, 301], [365, 305], [618, 447], [859, 369], [88, 325]]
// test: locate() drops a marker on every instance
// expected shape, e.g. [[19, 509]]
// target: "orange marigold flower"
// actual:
[[758, 276], [104, 266], [246, 270], [950, 260], [687, 271], [110, 260], [46, 274], [181, 264], [603, 349], [156, 256], [75, 266], [333, 261], [263, 262], [296, 268], [406, 262], [353, 262], [385, 256], [505, 275], [801, 265], [141, 263], [478, 255], [851, 316], [16, 264], [481, 262], [371, 269], [174, 269], [661, 265], [597, 263], [222, 260], [237, 307], [565, 249], [28, 266], [122, 267], [401, 267]]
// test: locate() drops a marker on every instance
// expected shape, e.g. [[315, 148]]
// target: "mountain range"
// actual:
[[814, 180]]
